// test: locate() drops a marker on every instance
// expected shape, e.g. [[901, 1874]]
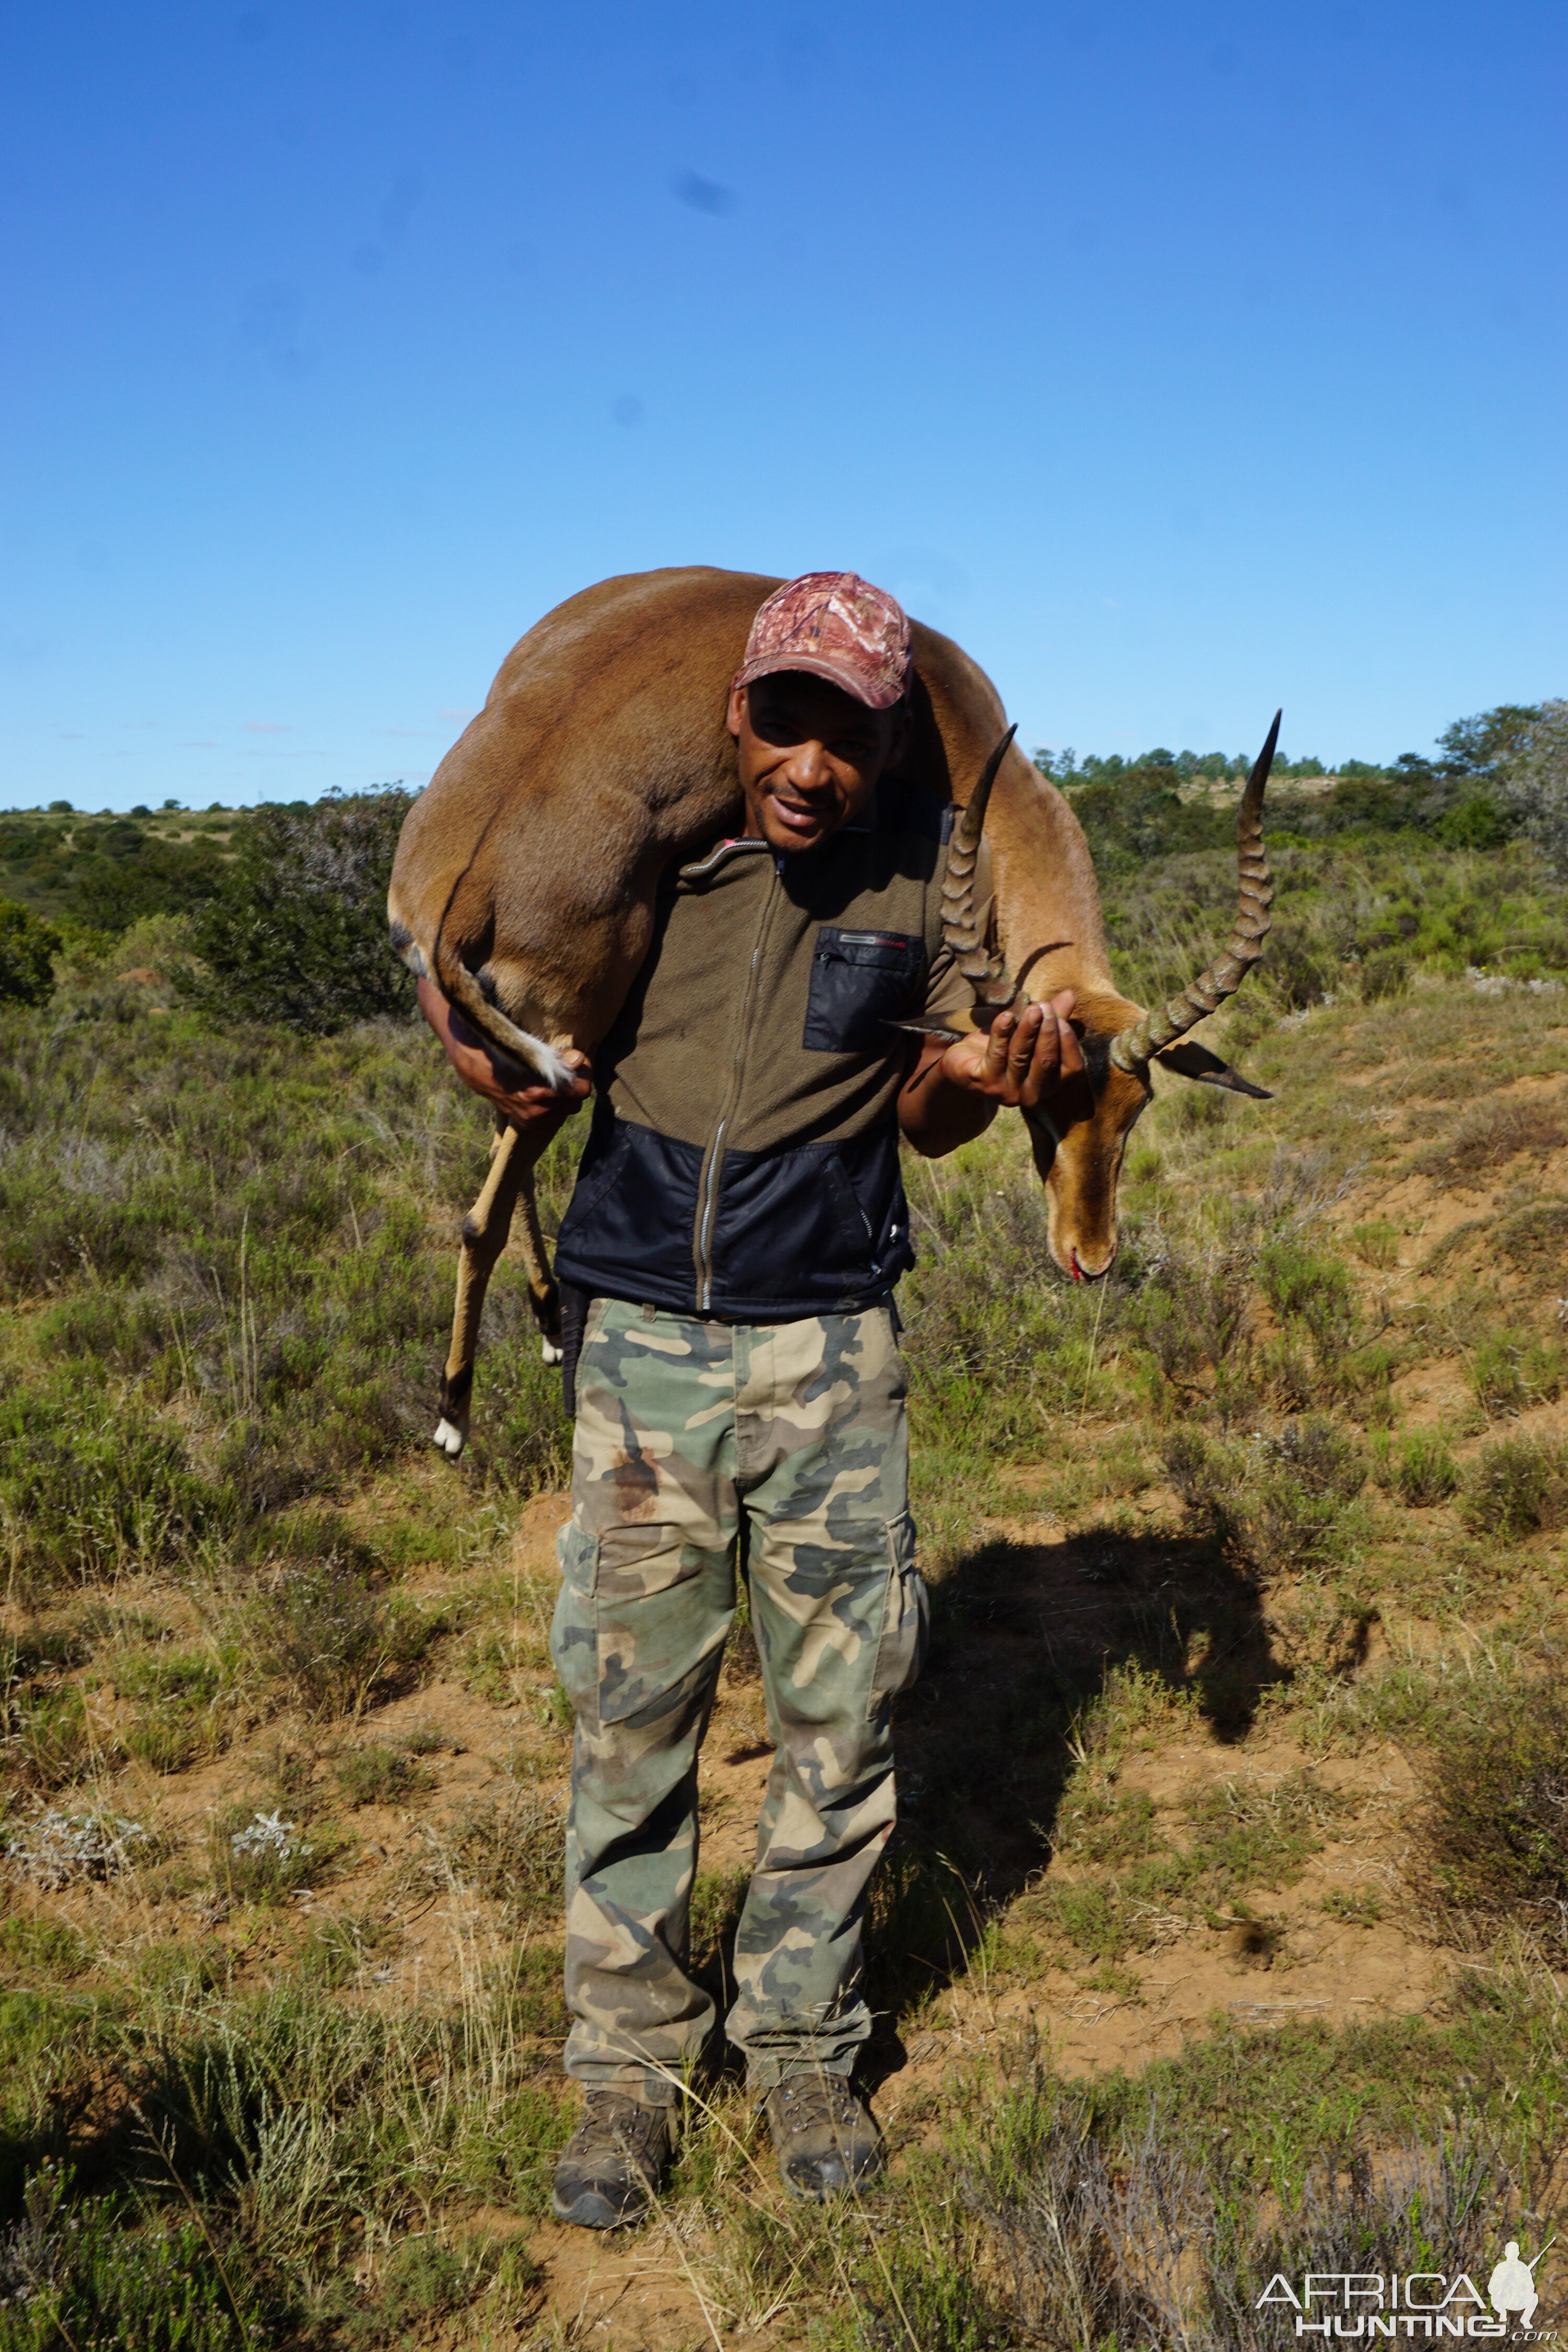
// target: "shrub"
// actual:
[[1376, 1243], [1535, 1238], [1475, 823], [1495, 1824], [1304, 1288], [1536, 782], [1385, 972], [56, 1849], [380, 1774], [510, 1851], [1488, 1137], [1285, 1508], [1321, 1457], [141, 876], [1195, 1310], [260, 1857], [1301, 968], [85, 2272], [1518, 1487], [1511, 1372], [421, 2282], [177, 1718], [50, 1737], [27, 950], [47, 1947], [297, 930], [1424, 1472], [177, 1722], [87, 1489], [330, 1633]]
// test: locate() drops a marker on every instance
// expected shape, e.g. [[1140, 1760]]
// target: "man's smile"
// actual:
[[801, 816]]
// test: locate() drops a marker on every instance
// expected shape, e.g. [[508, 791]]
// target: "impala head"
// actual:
[[1079, 1140]]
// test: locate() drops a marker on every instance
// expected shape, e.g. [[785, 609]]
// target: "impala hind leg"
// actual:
[[485, 1231], [542, 1294]]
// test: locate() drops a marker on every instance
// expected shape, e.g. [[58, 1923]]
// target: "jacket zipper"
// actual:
[[713, 1171]]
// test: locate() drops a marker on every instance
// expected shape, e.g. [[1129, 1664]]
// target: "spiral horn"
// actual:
[[1133, 1049], [961, 932]]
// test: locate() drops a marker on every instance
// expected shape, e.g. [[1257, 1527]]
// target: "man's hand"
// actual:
[[952, 1096], [530, 1105], [1021, 1057]]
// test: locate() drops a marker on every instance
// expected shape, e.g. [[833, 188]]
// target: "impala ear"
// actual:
[[1195, 1061]]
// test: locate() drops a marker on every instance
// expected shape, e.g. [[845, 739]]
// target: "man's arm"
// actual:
[[536, 1108], [955, 1091]]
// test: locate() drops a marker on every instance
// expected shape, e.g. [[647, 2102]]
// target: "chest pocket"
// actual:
[[858, 980]]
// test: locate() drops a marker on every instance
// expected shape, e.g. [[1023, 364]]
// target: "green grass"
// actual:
[[218, 1325], [378, 1773], [232, 1569]]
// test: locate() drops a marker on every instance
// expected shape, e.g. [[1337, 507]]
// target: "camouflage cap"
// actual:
[[838, 626]]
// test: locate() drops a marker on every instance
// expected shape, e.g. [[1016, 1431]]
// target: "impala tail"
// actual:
[[473, 994]]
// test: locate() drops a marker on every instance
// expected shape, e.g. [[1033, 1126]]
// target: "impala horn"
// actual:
[[981, 966], [1133, 1049]]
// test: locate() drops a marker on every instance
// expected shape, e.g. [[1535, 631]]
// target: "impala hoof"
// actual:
[[450, 1438], [550, 1352]]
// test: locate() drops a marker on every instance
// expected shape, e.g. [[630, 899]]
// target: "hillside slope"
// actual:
[[1224, 1924]]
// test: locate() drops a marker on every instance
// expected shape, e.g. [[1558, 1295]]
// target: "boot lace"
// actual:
[[810, 2099], [622, 2125]]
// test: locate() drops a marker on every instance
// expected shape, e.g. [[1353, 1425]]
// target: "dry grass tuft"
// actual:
[[1488, 1138]]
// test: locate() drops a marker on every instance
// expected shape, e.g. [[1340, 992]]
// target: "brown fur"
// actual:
[[525, 878]]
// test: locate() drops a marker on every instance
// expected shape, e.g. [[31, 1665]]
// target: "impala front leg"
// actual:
[[485, 1231]]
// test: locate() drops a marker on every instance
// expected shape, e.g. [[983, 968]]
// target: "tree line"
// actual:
[[281, 910], [1502, 774]]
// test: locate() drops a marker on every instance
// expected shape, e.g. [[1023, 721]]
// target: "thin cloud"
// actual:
[[266, 727], [456, 714], [702, 195]]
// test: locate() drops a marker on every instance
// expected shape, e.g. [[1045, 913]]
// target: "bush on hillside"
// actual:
[[120, 876], [1485, 747], [1138, 813], [1495, 1828], [1536, 785], [1465, 795], [27, 951], [297, 930]]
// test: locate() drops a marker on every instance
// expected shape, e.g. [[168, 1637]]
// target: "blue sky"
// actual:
[[1180, 360]]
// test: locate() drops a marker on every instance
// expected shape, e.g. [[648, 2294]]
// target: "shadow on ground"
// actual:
[[1024, 1638]]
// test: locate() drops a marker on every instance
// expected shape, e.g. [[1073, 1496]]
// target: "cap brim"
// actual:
[[836, 674]]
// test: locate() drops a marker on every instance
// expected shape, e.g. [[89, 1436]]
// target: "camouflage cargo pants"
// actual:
[[781, 1446]]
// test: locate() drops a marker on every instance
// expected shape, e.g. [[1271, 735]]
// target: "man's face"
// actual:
[[810, 756]]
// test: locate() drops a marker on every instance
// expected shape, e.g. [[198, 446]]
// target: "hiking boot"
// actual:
[[824, 2138], [612, 2167]]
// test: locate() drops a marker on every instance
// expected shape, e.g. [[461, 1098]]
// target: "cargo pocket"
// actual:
[[859, 981], [906, 1618], [654, 1624]]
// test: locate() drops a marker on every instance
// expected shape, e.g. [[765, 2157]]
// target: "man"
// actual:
[[738, 1224]]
